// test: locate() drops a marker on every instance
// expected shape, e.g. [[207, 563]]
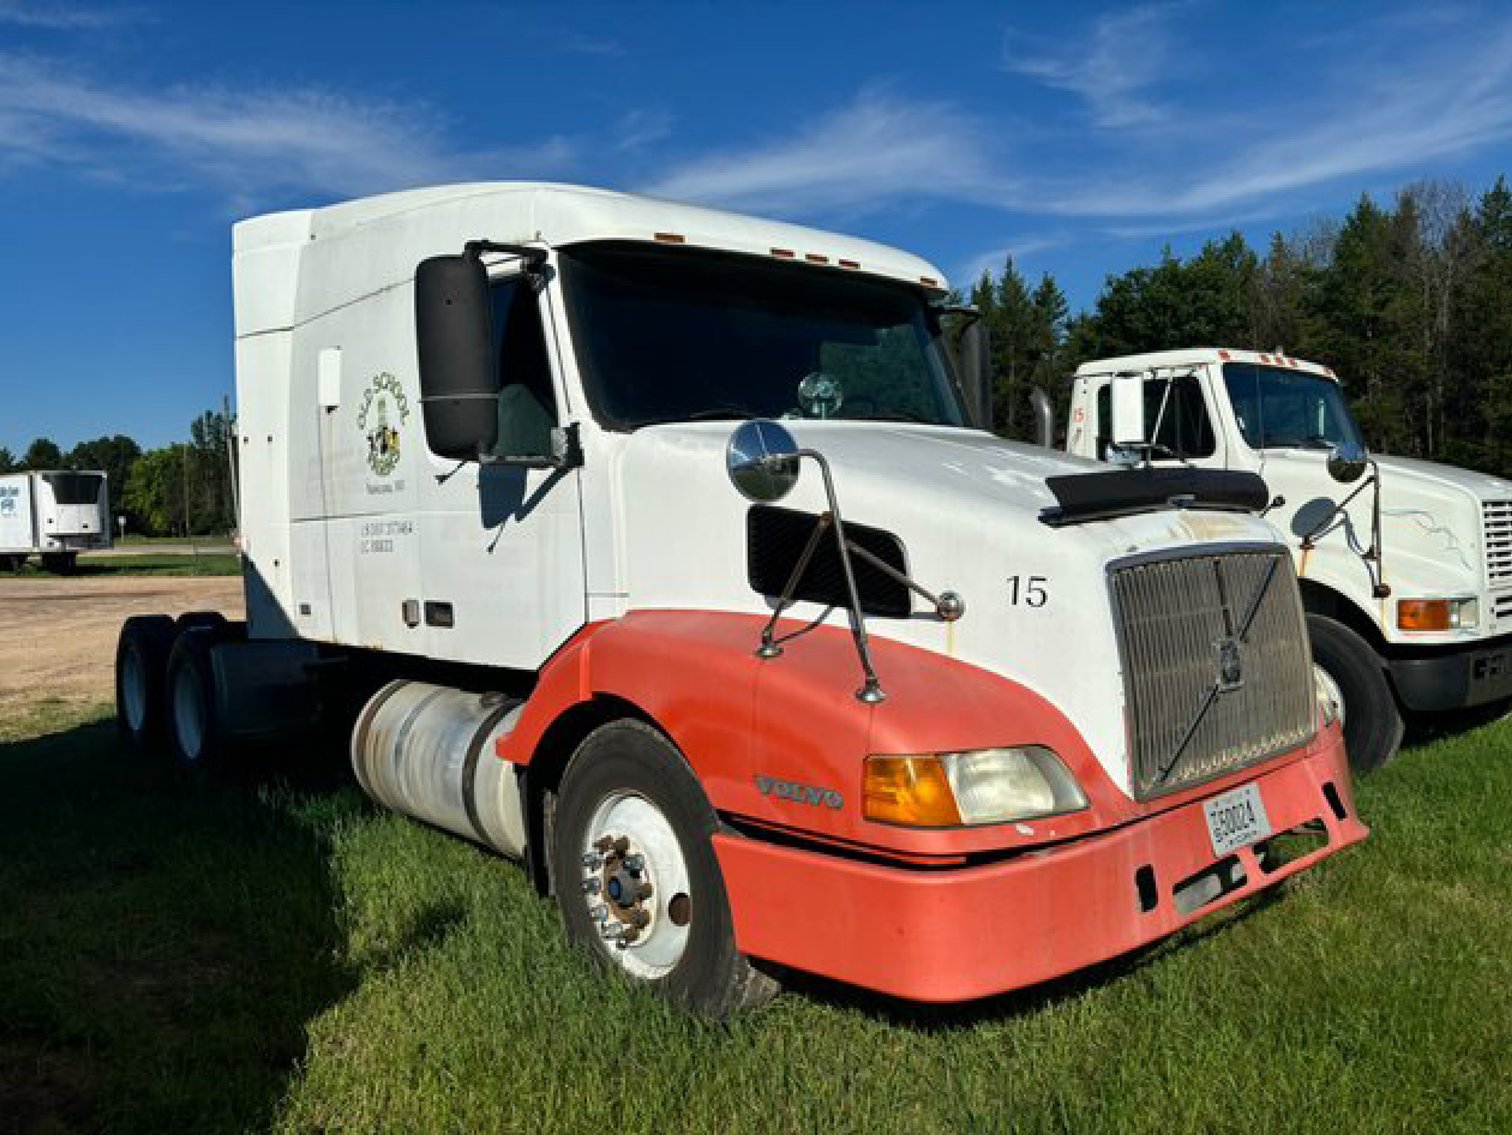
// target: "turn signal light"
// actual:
[[1437, 614], [909, 790]]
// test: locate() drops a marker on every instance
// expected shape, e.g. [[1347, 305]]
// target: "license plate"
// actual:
[[1236, 819]]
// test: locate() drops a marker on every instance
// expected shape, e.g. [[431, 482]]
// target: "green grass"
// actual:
[[271, 953], [94, 567], [132, 540]]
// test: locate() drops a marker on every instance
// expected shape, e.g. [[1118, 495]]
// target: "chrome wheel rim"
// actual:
[[635, 885]]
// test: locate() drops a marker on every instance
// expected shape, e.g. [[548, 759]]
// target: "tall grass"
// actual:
[[273, 953]]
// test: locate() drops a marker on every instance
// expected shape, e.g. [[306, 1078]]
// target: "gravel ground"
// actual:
[[58, 636]]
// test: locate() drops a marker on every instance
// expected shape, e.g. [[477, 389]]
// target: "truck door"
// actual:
[[501, 554], [1179, 420]]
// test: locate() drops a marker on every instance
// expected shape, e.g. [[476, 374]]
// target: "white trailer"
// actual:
[[53, 513], [1405, 566], [546, 484]]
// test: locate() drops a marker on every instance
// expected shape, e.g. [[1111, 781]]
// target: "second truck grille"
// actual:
[[1207, 694], [1497, 517]]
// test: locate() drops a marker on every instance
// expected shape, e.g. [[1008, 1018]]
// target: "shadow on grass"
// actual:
[[930, 1018], [164, 941]]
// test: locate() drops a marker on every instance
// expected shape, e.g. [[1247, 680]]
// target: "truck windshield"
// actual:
[[672, 336], [1288, 409]]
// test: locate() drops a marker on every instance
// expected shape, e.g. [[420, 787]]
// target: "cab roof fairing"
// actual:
[[1200, 356], [294, 266]]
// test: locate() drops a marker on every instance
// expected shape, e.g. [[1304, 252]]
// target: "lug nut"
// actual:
[[644, 892], [599, 913], [592, 886], [592, 861], [639, 920], [635, 864], [612, 931], [621, 845]]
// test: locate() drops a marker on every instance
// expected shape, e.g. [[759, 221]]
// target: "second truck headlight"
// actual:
[[982, 786]]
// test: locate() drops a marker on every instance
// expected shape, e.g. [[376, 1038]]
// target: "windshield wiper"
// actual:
[[717, 414], [889, 416]]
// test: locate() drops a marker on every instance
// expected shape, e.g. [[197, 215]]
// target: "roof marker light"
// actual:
[[849, 263], [672, 238], [784, 253], [1224, 355], [929, 281], [816, 258]]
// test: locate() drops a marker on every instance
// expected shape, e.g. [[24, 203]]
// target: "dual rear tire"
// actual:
[[165, 685]]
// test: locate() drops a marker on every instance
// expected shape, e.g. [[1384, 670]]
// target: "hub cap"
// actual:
[[188, 714], [635, 885], [134, 690]]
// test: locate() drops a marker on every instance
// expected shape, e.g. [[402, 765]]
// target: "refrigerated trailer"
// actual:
[[661, 549], [55, 514]]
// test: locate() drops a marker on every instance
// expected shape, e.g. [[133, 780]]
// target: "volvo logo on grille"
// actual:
[[1230, 664]]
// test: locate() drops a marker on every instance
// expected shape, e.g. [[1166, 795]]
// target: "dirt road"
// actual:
[[58, 636]]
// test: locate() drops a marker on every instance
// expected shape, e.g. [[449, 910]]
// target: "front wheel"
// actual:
[[636, 876], [1367, 709]]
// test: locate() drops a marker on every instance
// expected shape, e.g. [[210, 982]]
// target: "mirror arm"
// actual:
[[1372, 555], [769, 648], [566, 443], [535, 258], [871, 690]]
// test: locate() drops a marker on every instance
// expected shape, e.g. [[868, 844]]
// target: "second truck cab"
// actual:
[[1405, 565]]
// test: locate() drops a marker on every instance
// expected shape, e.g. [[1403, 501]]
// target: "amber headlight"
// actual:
[[984, 786], [1437, 614]]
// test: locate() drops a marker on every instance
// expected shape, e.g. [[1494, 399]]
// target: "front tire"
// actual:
[[1372, 722], [637, 880]]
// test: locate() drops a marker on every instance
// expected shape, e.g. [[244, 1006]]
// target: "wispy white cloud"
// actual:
[[1378, 121], [243, 141], [1019, 250], [65, 17], [1112, 67], [876, 149]]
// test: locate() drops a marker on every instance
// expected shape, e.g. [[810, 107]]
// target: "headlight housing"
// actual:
[[1437, 614], [982, 786]]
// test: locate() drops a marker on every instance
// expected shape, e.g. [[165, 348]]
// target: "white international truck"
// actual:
[[1405, 566], [545, 484], [55, 514]]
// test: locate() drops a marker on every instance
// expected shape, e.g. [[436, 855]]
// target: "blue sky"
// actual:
[[1079, 138]]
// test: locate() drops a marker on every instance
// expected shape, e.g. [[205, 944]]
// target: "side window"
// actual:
[[1185, 430], [527, 402]]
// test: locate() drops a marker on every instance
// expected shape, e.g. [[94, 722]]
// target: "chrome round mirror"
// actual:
[[761, 460], [1346, 462]]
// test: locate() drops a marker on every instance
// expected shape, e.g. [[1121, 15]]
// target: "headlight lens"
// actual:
[[1327, 693], [1437, 614], [983, 786]]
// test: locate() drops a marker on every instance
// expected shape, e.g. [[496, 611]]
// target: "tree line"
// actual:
[[1410, 303], [183, 489]]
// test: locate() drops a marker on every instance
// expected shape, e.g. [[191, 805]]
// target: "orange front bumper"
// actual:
[[959, 933]]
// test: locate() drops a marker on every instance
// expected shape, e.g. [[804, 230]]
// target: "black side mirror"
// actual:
[[459, 375], [976, 372]]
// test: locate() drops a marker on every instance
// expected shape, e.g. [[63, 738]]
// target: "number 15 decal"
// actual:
[[1028, 590]]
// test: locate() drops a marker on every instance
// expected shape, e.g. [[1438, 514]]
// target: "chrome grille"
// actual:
[[1207, 695], [1496, 518]]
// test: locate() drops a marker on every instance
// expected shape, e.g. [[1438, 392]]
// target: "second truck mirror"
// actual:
[[1128, 410], [459, 374]]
